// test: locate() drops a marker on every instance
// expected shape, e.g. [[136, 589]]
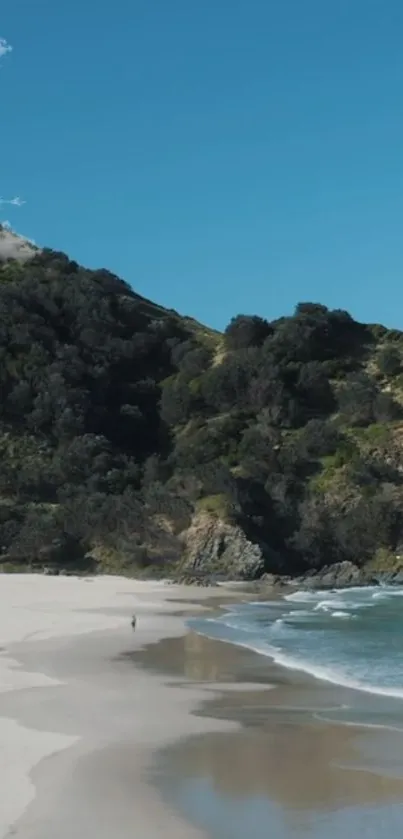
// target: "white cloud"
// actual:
[[5, 47], [15, 202]]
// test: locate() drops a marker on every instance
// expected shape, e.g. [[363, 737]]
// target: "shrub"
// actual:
[[176, 401], [389, 361], [318, 438], [356, 399]]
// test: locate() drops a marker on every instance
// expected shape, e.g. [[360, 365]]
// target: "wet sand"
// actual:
[[163, 733], [79, 725], [286, 771]]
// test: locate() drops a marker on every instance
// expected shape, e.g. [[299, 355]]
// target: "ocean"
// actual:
[[318, 755], [351, 637]]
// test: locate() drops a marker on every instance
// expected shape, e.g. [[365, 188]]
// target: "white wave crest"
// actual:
[[326, 605], [302, 596], [341, 614]]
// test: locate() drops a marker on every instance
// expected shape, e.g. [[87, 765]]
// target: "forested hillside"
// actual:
[[122, 424]]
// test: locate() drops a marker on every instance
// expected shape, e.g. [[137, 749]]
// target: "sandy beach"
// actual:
[[107, 733], [78, 724]]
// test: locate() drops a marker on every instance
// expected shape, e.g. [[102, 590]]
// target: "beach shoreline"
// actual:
[[291, 758], [67, 694], [98, 723]]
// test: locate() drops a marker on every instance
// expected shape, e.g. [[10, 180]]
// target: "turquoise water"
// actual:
[[253, 782], [350, 637]]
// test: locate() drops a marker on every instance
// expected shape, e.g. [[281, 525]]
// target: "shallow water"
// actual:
[[292, 771], [258, 816]]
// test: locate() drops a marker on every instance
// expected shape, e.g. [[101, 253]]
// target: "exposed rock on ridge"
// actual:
[[15, 247], [215, 548]]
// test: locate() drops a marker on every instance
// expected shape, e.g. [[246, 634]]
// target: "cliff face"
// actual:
[[133, 439], [213, 548]]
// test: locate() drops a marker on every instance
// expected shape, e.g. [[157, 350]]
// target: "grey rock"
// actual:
[[270, 579], [275, 580], [339, 575], [217, 549]]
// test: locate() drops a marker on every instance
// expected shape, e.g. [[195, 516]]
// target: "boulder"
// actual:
[[338, 575], [216, 549]]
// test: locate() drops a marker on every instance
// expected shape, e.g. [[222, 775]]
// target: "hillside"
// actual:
[[134, 439]]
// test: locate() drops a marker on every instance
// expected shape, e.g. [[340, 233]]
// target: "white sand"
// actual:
[[80, 703]]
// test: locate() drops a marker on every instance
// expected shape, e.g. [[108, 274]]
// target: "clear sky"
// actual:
[[223, 156]]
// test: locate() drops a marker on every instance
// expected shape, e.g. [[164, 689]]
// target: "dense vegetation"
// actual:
[[120, 420]]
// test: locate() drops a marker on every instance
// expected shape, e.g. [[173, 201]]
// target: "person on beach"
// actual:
[[134, 621]]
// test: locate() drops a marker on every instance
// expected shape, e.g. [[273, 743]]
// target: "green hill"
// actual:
[[133, 439]]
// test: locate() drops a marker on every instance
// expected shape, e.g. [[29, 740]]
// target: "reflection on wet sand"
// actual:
[[196, 658], [299, 767], [199, 659], [283, 752]]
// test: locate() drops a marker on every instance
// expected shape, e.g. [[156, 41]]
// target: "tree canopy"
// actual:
[[120, 419]]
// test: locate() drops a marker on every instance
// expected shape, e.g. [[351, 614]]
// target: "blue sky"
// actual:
[[223, 156]]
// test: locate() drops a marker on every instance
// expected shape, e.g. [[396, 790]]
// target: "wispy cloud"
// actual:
[[14, 202], [5, 47], [8, 241]]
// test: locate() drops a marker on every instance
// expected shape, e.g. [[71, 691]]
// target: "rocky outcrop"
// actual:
[[338, 575], [345, 574], [216, 549]]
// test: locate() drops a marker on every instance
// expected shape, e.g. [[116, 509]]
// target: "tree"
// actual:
[[246, 331]]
